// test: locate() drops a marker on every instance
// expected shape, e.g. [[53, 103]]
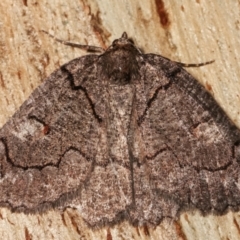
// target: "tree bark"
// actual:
[[185, 31]]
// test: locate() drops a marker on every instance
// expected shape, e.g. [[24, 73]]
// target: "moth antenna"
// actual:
[[195, 64], [87, 48]]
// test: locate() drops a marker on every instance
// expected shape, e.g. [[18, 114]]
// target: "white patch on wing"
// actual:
[[26, 128]]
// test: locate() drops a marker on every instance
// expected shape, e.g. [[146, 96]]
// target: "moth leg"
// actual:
[[88, 48]]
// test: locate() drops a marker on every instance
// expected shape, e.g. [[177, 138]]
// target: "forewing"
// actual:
[[47, 148], [191, 150]]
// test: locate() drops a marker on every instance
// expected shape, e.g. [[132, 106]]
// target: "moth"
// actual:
[[120, 135]]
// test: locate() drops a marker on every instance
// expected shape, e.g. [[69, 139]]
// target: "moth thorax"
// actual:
[[120, 66]]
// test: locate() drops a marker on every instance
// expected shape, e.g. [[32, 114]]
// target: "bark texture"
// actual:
[[191, 32]]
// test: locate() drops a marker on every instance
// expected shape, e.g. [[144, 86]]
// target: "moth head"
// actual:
[[123, 40], [120, 61], [123, 43]]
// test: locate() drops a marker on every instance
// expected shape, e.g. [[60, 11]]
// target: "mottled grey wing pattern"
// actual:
[[191, 157], [123, 135], [47, 148]]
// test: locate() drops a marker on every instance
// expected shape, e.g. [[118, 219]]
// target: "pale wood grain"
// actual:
[[198, 31]]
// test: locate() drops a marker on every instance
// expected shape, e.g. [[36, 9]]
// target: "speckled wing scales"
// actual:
[[122, 135], [191, 147], [46, 149]]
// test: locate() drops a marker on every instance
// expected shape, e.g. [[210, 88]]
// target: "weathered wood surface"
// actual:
[[186, 31]]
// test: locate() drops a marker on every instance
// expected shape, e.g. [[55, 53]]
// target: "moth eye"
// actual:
[[131, 41], [114, 43]]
